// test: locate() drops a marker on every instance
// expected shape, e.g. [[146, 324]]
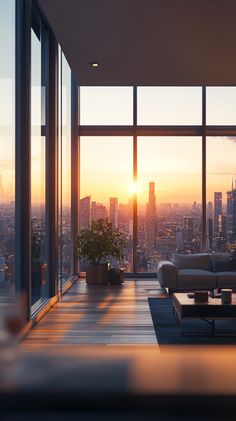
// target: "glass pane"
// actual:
[[39, 273], [65, 252], [221, 106], [169, 105], [106, 105], [106, 186], [7, 150], [169, 198], [221, 193]]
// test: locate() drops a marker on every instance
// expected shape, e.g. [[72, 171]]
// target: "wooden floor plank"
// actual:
[[104, 315]]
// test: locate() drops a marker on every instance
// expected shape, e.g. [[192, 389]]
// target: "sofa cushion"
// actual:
[[224, 266], [220, 257], [196, 278], [216, 258], [192, 261], [226, 279]]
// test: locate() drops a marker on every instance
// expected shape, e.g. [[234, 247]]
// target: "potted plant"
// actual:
[[95, 245]]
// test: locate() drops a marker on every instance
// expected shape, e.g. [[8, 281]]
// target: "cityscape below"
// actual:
[[167, 228], [163, 229]]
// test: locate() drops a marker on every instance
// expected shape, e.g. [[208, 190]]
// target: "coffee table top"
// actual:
[[187, 308], [184, 300]]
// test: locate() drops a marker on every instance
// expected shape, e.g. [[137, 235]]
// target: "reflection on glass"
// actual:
[[106, 105], [221, 194], [169, 105], [65, 242], [169, 198], [7, 149], [106, 186], [221, 105], [39, 281]]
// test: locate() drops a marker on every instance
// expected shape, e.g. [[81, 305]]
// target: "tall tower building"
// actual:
[[217, 211], [151, 220], [210, 210], [188, 229], [210, 224], [101, 211], [229, 213], [234, 211], [85, 212], [93, 211], [113, 211]]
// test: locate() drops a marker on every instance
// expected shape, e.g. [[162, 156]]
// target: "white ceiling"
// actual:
[[147, 42]]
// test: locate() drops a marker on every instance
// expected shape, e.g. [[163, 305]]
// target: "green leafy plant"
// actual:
[[99, 242]]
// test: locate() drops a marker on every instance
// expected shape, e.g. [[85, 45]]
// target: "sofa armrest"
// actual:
[[167, 274]]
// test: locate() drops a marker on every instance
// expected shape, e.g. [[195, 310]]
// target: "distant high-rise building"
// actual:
[[123, 213], [188, 234], [151, 220], [98, 211], [217, 211], [210, 210], [179, 239], [85, 212], [93, 211], [210, 224], [210, 233], [234, 212], [113, 211], [222, 226], [229, 213], [101, 211]]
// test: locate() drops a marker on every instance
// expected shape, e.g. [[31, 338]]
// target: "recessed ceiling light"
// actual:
[[94, 64]]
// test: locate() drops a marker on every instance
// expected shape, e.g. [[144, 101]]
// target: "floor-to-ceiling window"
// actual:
[[39, 261], [169, 198], [106, 187], [106, 172], [7, 148], [221, 170], [65, 230]]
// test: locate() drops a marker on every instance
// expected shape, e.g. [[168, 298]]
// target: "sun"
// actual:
[[133, 188]]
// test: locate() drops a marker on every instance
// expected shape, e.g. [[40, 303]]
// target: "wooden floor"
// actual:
[[108, 315]]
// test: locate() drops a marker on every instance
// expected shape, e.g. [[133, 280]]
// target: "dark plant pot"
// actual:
[[97, 274], [116, 276]]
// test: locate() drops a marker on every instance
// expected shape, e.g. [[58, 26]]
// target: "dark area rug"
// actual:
[[168, 332]]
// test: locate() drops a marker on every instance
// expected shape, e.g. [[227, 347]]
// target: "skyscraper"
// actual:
[[151, 220], [85, 214], [210, 224], [113, 211], [188, 229], [101, 211], [93, 211], [217, 211], [229, 213], [234, 212]]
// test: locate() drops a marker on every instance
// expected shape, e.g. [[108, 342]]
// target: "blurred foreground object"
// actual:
[[176, 381]]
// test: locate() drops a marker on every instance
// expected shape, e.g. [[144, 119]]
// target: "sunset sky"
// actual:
[[106, 167]]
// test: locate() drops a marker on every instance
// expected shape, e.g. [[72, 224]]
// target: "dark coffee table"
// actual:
[[186, 308]]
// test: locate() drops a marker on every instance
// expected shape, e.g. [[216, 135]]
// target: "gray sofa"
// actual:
[[197, 271]]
